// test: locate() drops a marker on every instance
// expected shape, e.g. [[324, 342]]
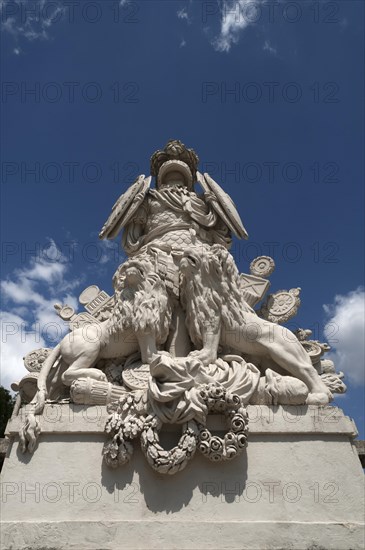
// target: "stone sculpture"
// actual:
[[180, 339]]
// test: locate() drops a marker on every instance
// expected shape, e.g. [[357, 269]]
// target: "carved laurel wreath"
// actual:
[[173, 460]]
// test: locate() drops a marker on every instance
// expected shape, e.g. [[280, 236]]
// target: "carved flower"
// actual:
[[233, 400], [204, 435], [216, 444], [241, 440], [204, 447], [231, 452], [238, 424]]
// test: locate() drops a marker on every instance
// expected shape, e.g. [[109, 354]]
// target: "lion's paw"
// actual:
[[318, 398], [98, 375], [204, 355]]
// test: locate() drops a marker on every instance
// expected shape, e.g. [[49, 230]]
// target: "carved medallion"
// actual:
[[281, 306], [313, 349], [135, 375], [262, 266], [34, 360]]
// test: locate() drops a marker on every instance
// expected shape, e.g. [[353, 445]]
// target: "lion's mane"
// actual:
[[143, 308], [212, 293]]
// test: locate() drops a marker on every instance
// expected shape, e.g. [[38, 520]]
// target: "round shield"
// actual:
[[224, 206], [120, 209], [136, 203], [135, 375]]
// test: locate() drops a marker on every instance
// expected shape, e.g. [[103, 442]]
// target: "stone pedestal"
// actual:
[[299, 485]]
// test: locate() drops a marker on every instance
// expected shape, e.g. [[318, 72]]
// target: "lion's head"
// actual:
[[141, 299], [135, 274]]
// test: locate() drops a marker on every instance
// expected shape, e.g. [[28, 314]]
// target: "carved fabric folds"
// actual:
[[174, 385]]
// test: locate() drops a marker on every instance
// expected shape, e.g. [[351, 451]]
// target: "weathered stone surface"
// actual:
[[263, 419], [360, 446], [300, 485], [4, 444]]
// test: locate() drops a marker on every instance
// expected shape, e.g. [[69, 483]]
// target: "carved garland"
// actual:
[[235, 440], [129, 419], [174, 460]]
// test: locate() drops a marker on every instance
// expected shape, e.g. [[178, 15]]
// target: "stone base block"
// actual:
[[299, 485]]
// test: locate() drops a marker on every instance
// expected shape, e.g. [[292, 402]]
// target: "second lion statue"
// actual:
[[217, 315]]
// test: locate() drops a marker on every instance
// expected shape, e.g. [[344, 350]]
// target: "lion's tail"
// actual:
[[30, 430]]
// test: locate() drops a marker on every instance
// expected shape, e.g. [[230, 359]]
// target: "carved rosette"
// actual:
[[281, 306], [263, 266]]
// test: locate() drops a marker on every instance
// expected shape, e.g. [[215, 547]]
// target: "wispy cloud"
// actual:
[[183, 14], [345, 333], [267, 47], [28, 318], [110, 252], [29, 20], [236, 15]]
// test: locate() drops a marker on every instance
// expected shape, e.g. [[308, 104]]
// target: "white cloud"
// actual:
[[110, 251], [16, 342], [43, 271], [236, 15], [269, 48], [183, 14], [345, 333], [31, 21], [182, 43], [28, 319]]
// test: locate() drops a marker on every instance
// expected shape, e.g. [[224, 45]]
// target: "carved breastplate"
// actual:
[[159, 216]]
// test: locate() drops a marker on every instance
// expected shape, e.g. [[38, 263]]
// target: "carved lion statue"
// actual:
[[217, 315], [140, 321]]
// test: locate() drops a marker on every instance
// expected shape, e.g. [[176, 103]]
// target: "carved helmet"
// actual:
[[175, 166], [175, 151]]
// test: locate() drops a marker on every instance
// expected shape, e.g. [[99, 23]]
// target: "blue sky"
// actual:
[[270, 97]]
